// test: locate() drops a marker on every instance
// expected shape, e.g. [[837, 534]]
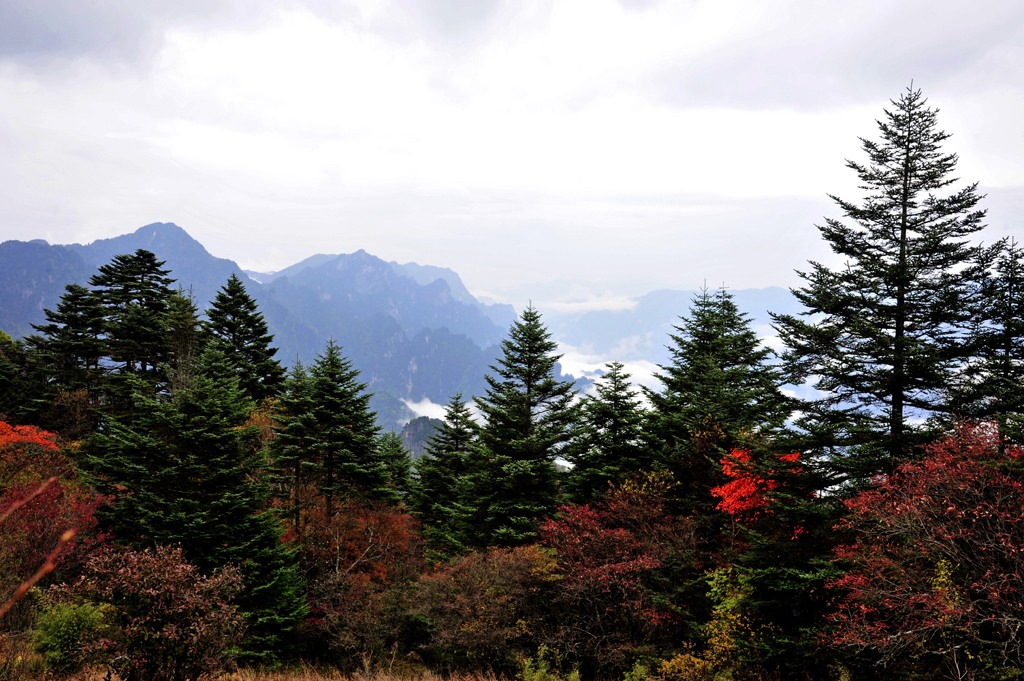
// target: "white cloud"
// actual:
[[517, 142]]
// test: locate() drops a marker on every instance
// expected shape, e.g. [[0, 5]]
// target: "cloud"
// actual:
[[827, 54]]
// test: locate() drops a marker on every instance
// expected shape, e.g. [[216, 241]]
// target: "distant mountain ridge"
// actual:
[[411, 337], [413, 331]]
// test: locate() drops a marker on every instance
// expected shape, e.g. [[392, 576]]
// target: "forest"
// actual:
[[175, 505]]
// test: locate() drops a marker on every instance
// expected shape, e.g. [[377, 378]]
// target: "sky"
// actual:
[[572, 153]]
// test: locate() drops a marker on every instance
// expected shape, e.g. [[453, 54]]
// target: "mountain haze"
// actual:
[[413, 331]]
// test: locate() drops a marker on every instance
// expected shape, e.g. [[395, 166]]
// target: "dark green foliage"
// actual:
[[186, 472], [293, 450], [610, 445], [16, 385], [529, 416], [234, 320], [721, 391], [72, 344], [439, 486], [992, 386], [327, 435], [396, 461], [884, 333], [134, 291], [347, 434]]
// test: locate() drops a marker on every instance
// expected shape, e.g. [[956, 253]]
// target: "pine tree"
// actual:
[[610, 445], [884, 333], [529, 416], [397, 463], [184, 339], [438, 495], [294, 448], [328, 435], [720, 392], [236, 322], [992, 385], [187, 472], [134, 291], [71, 343]]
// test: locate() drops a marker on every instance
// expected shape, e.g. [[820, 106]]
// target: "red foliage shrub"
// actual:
[[605, 609], [42, 506], [171, 622], [748, 494], [937, 568], [361, 564]]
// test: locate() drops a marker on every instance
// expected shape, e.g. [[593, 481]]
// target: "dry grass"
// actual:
[[308, 673]]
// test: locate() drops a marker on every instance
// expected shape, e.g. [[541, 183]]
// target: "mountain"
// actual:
[[413, 336], [413, 331]]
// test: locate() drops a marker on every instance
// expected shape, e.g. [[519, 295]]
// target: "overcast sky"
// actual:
[[570, 149]]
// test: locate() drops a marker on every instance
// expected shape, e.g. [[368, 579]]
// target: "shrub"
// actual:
[[169, 622], [64, 629], [488, 609]]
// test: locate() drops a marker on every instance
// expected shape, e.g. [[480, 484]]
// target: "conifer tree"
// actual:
[[397, 463], [236, 322], [884, 333], [293, 450], [528, 417], [992, 384], [720, 392], [438, 496], [610, 445], [187, 472], [328, 435], [134, 291], [71, 341]]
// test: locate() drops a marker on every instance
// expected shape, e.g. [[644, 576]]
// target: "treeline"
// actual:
[[718, 527]]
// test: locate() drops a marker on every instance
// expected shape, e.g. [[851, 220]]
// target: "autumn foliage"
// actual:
[[935, 571], [748, 493]]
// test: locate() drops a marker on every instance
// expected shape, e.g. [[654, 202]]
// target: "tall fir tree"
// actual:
[[528, 417], [235, 321], [720, 392], [397, 463], [884, 333], [293, 449], [610, 445], [70, 343], [134, 290], [439, 495], [186, 471], [992, 385], [327, 435]]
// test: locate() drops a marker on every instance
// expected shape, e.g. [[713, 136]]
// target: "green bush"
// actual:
[[544, 666], [64, 630]]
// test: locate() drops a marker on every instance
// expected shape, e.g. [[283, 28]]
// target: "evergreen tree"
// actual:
[[134, 291], [187, 472], [529, 416], [438, 495], [720, 392], [293, 449], [184, 339], [884, 333], [396, 461], [610, 445], [992, 385], [71, 344], [236, 322], [328, 435]]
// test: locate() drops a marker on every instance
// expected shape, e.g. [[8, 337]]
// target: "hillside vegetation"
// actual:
[[175, 504]]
